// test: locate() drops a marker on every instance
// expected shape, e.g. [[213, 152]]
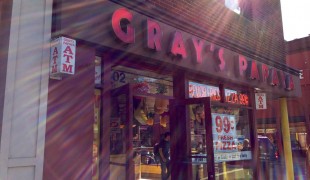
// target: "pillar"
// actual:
[[286, 139]]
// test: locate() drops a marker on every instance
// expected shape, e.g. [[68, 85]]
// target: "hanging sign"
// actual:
[[260, 101], [62, 60]]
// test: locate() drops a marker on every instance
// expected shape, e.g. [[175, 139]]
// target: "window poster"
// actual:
[[225, 139]]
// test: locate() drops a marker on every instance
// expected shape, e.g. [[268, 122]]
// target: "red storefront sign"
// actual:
[[124, 30]]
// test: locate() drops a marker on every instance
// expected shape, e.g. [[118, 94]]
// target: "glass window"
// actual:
[[198, 140], [236, 97], [144, 81], [197, 90], [117, 123], [231, 142], [150, 122], [149, 115]]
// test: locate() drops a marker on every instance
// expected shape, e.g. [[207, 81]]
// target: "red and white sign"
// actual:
[[260, 101], [224, 132], [225, 139], [63, 52]]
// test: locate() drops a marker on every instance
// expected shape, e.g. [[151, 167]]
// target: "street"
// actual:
[[276, 169]]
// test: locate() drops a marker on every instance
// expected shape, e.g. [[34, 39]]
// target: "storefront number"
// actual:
[[119, 77]]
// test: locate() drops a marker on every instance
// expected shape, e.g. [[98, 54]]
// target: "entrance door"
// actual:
[[191, 142], [121, 149], [137, 122]]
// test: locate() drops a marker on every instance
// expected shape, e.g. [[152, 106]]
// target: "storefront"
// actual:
[[153, 78]]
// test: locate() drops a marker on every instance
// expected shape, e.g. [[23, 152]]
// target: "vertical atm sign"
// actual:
[[62, 60], [260, 101]]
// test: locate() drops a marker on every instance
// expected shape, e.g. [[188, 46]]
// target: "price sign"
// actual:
[[224, 132]]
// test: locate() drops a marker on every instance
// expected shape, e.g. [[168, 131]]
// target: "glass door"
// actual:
[[121, 148], [150, 122], [195, 148], [138, 120]]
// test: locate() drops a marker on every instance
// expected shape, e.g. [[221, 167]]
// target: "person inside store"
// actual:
[[164, 152], [246, 145], [200, 138], [200, 148], [199, 122]]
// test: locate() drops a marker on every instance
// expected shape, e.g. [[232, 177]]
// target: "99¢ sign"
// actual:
[[224, 132]]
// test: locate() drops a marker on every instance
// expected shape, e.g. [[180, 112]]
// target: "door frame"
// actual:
[[128, 90], [176, 106]]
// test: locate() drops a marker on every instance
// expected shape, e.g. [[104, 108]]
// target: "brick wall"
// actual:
[[298, 56], [261, 38]]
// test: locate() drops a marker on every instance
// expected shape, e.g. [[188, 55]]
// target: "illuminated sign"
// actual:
[[197, 90], [236, 98]]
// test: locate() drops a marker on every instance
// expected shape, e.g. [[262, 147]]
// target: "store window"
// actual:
[[230, 132], [197, 90], [198, 140], [236, 97], [149, 115], [143, 81], [231, 142]]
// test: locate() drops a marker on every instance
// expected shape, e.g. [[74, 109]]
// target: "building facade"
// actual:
[[298, 108], [141, 68], [298, 57]]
